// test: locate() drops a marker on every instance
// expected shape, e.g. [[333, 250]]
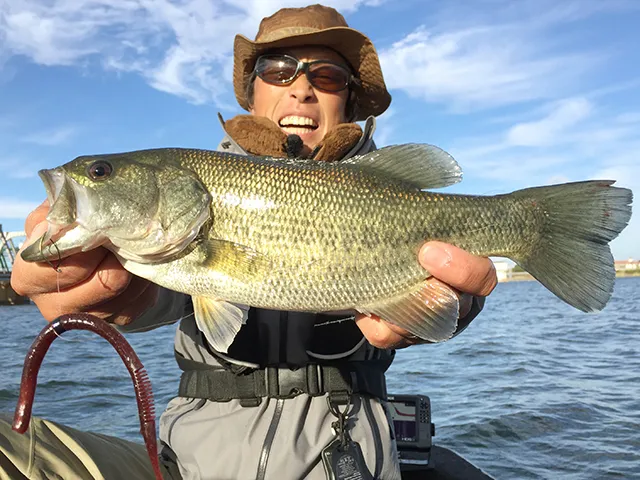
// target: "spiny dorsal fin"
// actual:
[[421, 165]]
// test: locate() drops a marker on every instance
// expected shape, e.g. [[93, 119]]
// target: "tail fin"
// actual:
[[572, 257]]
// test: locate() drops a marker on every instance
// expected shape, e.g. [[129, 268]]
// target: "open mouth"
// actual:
[[295, 125], [53, 181], [64, 236], [62, 198]]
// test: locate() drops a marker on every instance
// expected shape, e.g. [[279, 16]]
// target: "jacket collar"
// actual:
[[364, 145]]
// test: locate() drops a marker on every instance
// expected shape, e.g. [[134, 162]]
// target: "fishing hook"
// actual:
[[55, 267]]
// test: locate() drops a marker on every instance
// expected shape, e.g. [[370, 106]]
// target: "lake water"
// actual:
[[532, 389]]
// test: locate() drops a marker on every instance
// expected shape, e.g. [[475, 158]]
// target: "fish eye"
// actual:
[[100, 170]]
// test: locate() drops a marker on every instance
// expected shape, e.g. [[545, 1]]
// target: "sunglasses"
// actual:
[[321, 74]]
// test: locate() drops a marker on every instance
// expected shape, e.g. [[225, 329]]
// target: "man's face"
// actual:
[[298, 108]]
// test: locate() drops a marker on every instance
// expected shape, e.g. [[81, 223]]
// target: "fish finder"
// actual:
[[411, 416]]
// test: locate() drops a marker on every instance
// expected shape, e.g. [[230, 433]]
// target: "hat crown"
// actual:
[[298, 21]]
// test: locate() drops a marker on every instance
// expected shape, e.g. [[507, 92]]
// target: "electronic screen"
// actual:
[[411, 416], [404, 420]]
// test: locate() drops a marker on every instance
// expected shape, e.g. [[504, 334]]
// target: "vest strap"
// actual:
[[200, 380]]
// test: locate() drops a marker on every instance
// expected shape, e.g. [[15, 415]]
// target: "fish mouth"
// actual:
[[53, 181], [64, 236], [62, 198]]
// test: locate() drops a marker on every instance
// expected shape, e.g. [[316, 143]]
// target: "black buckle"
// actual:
[[287, 383], [250, 402], [339, 397]]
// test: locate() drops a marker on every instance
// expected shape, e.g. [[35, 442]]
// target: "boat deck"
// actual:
[[445, 465]]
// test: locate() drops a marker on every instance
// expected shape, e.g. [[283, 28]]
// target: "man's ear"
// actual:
[[351, 107]]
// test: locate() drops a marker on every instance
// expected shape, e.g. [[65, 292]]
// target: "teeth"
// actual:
[[295, 120], [296, 130]]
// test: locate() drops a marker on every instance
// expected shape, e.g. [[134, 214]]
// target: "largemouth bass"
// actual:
[[312, 236]]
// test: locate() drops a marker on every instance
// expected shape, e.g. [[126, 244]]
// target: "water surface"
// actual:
[[533, 389]]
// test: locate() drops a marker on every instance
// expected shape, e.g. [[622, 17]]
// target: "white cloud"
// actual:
[[49, 138], [534, 13], [182, 47], [17, 170], [482, 54], [385, 127], [547, 130], [627, 118], [628, 176], [15, 208], [575, 140], [568, 136], [472, 69], [48, 40]]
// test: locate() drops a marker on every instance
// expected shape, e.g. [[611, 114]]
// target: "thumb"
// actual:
[[461, 270], [36, 217]]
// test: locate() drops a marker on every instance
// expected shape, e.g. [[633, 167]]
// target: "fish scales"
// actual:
[[334, 236]]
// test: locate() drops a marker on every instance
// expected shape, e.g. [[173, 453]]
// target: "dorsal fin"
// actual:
[[421, 165]]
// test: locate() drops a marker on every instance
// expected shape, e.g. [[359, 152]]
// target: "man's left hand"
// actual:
[[468, 275]]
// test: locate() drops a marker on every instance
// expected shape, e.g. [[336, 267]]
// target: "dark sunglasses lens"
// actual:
[[328, 77], [276, 69]]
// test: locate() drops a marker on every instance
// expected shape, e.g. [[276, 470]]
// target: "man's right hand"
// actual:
[[93, 282]]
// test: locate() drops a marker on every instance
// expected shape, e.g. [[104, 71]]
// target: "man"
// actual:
[[271, 405]]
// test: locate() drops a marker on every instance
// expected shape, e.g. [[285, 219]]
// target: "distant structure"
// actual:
[[504, 270], [9, 247], [507, 271], [627, 267]]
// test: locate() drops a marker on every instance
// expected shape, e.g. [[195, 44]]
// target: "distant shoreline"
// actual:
[[526, 277]]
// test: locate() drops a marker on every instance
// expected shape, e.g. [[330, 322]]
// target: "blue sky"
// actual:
[[521, 92]]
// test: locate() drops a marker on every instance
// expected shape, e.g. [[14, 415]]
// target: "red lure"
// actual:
[[141, 382]]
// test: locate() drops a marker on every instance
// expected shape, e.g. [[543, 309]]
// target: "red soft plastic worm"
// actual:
[[141, 383]]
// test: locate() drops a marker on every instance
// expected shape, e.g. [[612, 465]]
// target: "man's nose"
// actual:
[[301, 89]]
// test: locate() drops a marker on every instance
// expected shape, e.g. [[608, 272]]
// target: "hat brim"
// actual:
[[372, 95]]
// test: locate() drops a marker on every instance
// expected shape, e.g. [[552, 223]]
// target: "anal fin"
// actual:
[[219, 321], [429, 311]]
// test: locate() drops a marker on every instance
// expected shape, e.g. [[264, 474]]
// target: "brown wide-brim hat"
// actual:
[[315, 25]]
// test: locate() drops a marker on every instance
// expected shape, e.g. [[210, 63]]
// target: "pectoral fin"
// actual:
[[430, 311], [219, 321], [236, 260]]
